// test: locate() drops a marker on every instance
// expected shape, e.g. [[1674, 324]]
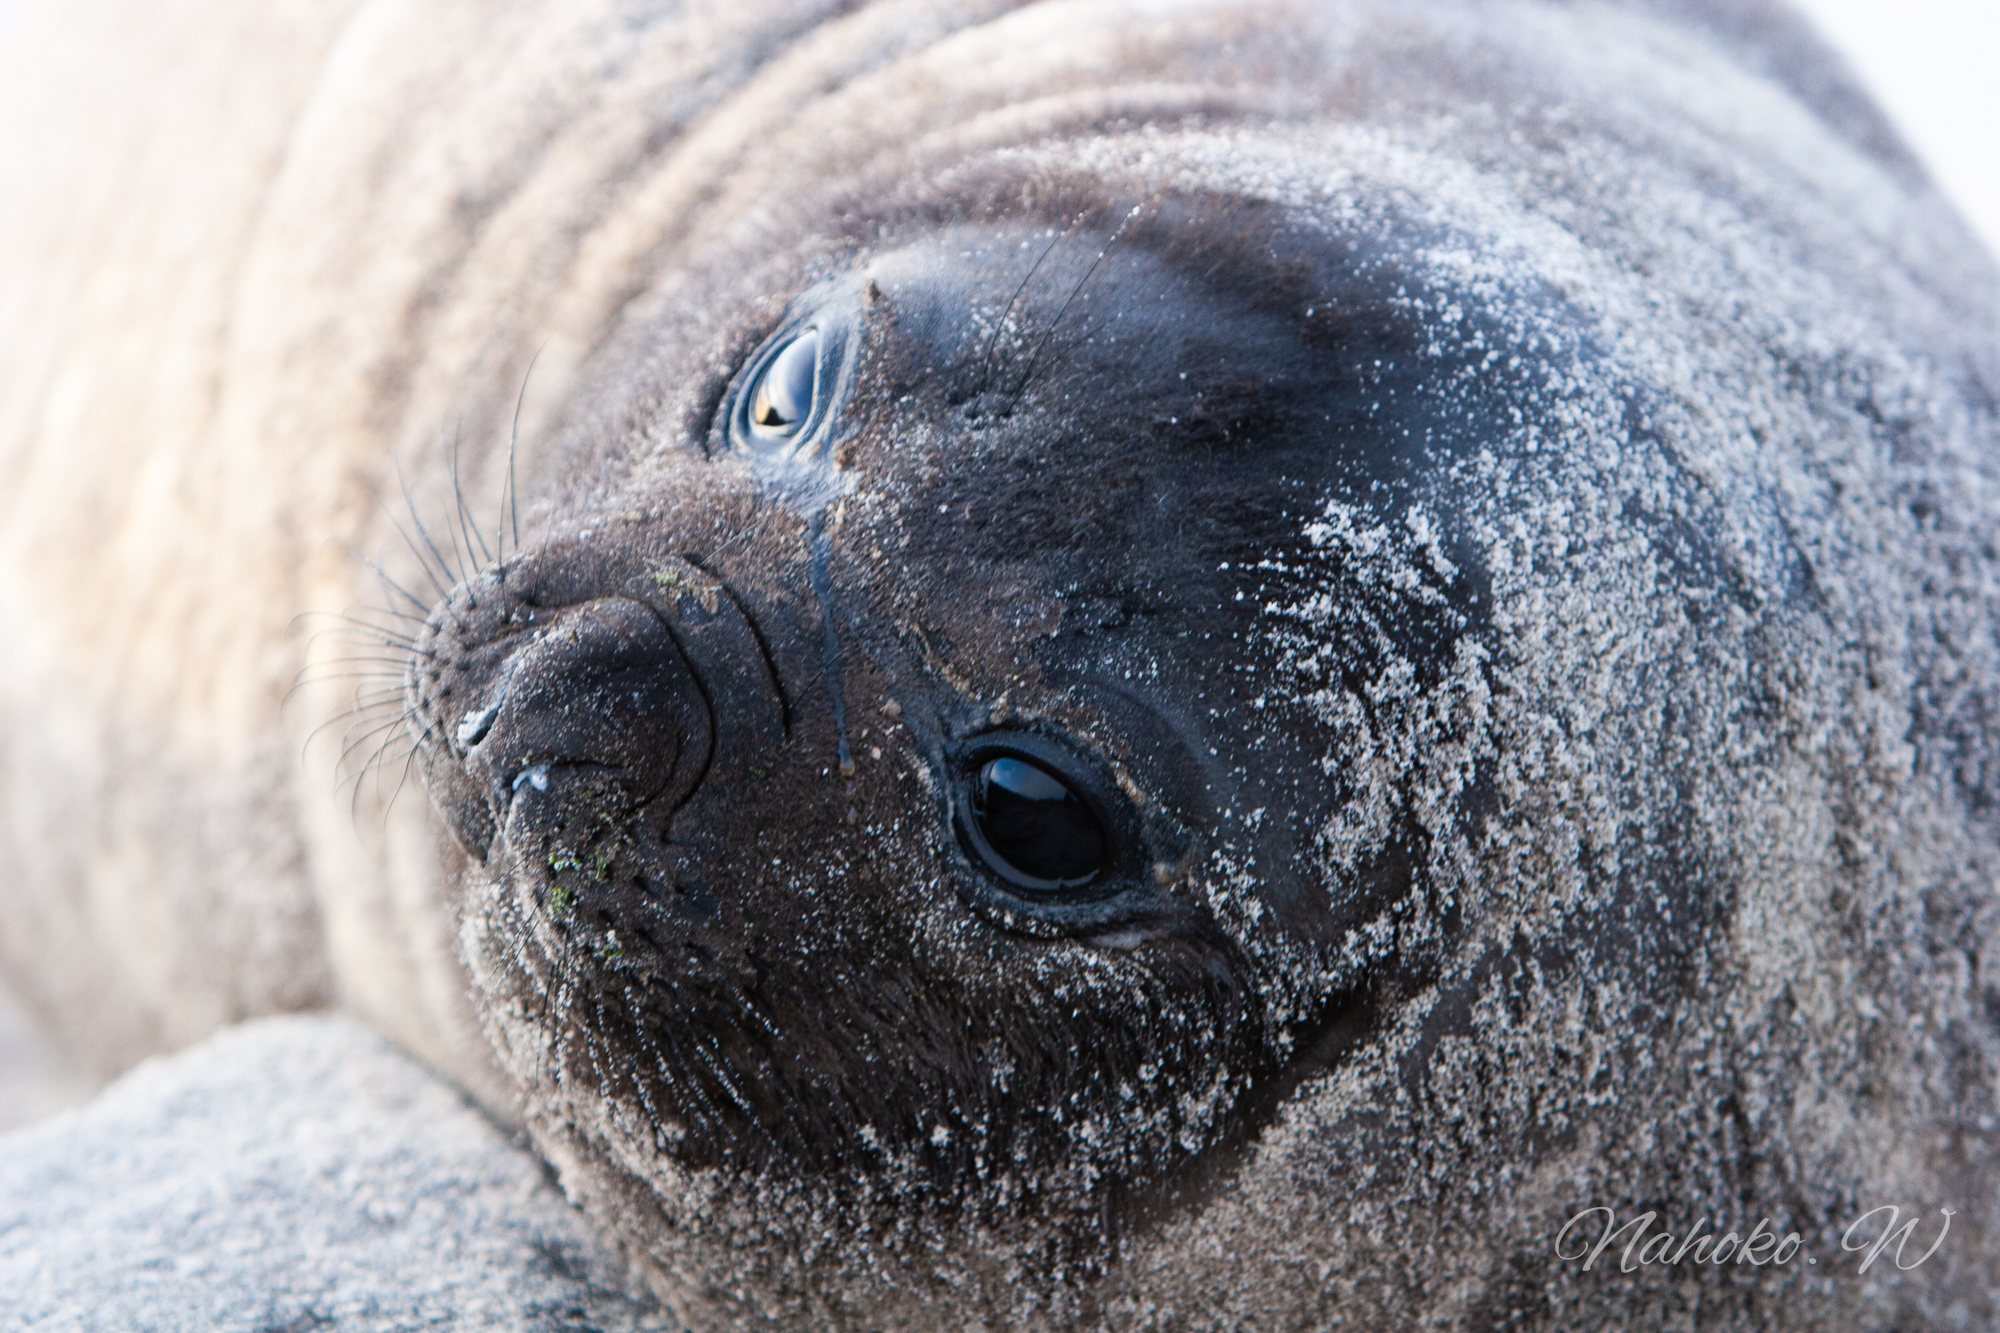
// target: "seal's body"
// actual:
[[1148, 666]]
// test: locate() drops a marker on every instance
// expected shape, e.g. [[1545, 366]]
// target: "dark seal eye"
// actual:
[[783, 401], [1035, 831]]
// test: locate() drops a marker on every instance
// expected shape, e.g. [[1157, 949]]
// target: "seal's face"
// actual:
[[915, 779]]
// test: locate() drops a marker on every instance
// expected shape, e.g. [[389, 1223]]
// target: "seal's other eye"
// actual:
[[783, 401], [1033, 830]]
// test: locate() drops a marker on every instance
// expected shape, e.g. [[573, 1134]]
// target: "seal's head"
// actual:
[[1243, 718], [943, 774]]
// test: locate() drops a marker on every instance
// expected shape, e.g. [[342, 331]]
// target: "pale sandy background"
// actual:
[[1935, 67]]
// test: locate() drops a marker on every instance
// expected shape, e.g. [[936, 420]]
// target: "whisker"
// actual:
[[454, 529], [354, 802], [377, 659], [512, 495], [444, 565], [390, 585], [1056, 323], [744, 535], [430, 570], [303, 683], [788, 1107], [396, 667], [362, 635], [415, 622], [352, 716], [313, 735], [375, 696], [649, 1049], [363, 632], [377, 762], [348, 624], [410, 616], [986, 355], [369, 735], [408, 760], [465, 523]]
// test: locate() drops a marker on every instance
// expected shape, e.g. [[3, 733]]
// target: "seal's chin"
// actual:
[[718, 1049]]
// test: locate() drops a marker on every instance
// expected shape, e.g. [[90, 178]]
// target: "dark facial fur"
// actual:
[[715, 737], [721, 757]]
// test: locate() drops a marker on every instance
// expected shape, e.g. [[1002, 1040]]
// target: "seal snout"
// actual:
[[562, 720], [604, 687]]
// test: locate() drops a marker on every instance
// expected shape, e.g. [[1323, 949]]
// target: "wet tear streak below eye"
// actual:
[[820, 549]]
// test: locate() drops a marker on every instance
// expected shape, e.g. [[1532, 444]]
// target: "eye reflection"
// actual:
[[784, 398], [1036, 831]]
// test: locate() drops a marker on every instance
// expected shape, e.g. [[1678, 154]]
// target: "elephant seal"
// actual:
[[1146, 666]]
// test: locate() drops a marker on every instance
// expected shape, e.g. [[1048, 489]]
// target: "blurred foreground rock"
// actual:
[[295, 1173]]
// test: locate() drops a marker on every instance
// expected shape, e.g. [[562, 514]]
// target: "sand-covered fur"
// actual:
[[1490, 501]]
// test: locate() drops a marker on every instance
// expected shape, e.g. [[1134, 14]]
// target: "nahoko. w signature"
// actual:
[[1640, 1242]]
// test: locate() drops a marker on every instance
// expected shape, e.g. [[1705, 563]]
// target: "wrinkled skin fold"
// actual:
[[1482, 510]]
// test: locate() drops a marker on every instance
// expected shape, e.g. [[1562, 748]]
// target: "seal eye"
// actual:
[[1034, 831], [783, 401]]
